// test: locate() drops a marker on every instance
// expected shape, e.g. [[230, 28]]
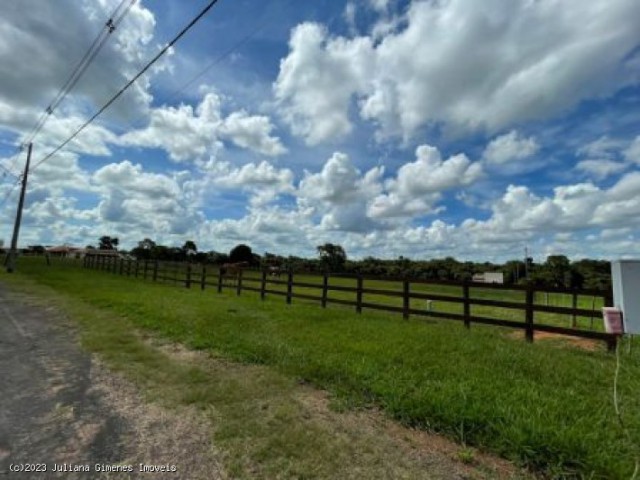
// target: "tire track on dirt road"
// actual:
[[59, 405]]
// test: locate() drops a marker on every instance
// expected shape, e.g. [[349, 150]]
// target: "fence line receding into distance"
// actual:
[[202, 276]]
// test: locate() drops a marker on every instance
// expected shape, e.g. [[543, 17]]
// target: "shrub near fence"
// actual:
[[471, 306]]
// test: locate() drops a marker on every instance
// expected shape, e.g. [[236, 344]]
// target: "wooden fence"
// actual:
[[203, 276]]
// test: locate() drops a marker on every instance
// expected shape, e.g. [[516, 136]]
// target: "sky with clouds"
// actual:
[[418, 128]]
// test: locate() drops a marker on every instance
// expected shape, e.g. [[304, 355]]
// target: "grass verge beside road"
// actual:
[[545, 407]]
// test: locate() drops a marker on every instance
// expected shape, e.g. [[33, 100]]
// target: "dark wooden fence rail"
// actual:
[[186, 275]]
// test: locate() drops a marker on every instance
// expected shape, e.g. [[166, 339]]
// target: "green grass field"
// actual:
[[546, 406], [588, 302], [253, 279]]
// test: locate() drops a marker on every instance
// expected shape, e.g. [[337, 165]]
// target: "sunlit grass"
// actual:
[[546, 407]]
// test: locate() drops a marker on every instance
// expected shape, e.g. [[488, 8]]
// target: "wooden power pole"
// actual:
[[13, 252]]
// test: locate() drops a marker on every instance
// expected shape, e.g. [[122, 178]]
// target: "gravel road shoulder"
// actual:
[[60, 405]]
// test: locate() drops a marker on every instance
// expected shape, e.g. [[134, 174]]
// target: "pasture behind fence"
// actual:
[[466, 302]]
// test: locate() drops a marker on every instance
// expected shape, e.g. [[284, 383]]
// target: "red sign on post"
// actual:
[[613, 320]]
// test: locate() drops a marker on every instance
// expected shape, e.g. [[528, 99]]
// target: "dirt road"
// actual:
[[61, 409]]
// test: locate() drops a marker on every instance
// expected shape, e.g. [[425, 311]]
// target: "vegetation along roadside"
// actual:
[[544, 407]]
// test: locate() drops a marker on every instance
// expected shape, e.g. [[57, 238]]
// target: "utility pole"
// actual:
[[13, 252]]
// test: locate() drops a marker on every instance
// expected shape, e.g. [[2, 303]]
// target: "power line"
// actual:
[[174, 94], [7, 171], [10, 191], [102, 37], [195, 20]]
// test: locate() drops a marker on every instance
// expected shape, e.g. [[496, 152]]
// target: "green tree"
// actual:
[[332, 257], [145, 250], [558, 270], [241, 253], [189, 248], [108, 243]]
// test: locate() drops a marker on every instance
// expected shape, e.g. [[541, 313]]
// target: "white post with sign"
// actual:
[[625, 276]]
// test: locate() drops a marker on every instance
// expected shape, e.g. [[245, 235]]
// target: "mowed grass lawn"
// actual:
[[587, 302], [544, 406], [175, 273]]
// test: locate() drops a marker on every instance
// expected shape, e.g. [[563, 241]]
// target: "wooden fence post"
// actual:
[[529, 314], [121, 266], [359, 294], [187, 282], [155, 271], [128, 267], [325, 288], [405, 299], [574, 304], [289, 287], [203, 277], [144, 271], [263, 284], [466, 304], [137, 268], [239, 283], [220, 280]]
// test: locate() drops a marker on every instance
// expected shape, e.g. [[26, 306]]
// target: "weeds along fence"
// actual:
[[528, 308]]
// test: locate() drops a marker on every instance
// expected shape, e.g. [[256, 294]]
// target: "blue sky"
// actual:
[[415, 128]]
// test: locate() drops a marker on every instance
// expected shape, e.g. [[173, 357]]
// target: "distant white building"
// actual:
[[489, 277]]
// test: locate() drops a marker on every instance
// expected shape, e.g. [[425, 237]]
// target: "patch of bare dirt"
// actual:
[[156, 435], [60, 405], [426, 448], [441, 457], [563, 340]]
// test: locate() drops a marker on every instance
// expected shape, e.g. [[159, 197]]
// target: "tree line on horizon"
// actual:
[[555, 271]]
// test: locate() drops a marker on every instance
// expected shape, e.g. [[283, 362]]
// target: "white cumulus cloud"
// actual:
[[510, 147], [468, 65]]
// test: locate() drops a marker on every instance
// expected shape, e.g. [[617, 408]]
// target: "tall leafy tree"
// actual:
[[241, 253], [190, 248], [108, 243], [558, 270], [333, 257], [145, 250]]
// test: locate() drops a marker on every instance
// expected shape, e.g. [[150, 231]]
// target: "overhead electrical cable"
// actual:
[[10, 191], [109, 27], [174, 94], [219, 58], [7, 171], [195, 20]]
